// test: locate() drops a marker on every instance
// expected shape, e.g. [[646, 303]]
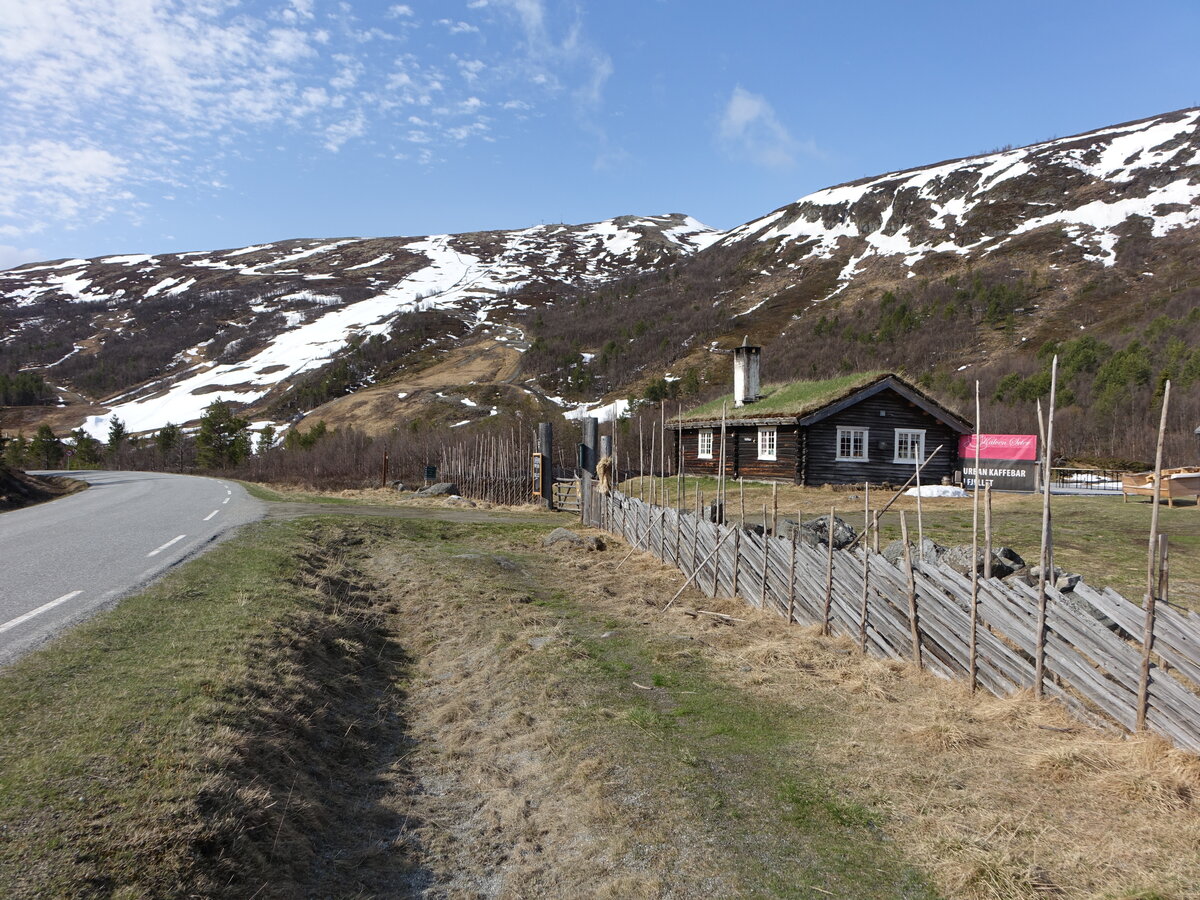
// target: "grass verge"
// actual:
[[337, 707]]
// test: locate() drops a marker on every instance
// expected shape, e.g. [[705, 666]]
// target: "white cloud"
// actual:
[[457, 27], [107, 104], [750, 128]]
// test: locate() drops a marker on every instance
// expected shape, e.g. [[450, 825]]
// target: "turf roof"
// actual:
[[795, 398]]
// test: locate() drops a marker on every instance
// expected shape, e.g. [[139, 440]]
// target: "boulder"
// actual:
[[959, 559], [1060, 579], [815, 532], [1009, 557], [894, 552], [399, 486], [441, 489], [568, 538]]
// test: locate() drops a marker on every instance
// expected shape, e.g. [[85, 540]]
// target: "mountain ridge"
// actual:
[[971, 264]]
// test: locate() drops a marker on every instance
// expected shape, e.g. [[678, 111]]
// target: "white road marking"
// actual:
[[211, 514], [36, 612], [174, 540], [226, 500]]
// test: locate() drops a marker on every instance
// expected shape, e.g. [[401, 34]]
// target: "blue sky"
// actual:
[[151, 126]]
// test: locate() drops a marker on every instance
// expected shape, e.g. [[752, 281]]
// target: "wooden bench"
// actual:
[[1180, 482]]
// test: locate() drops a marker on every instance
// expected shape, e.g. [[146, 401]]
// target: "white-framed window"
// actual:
[[910, 446], [852, 443], [704, 444], [768, 442]]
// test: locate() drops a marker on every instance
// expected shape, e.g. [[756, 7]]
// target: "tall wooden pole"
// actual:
[[762, 592], [1151, 553], [914, 628], [721, 474], [791, 609], [920, 520], [1039, 670], [828, 576], [973, 662]]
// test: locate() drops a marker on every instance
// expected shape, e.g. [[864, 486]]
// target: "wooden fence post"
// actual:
[[912, 592], [1148, 640], [1039, 656], [828, 576], [1152, 551], [972, 662], [718, 540], [762, 590], [737, 558], [862, 619], [792, 572]]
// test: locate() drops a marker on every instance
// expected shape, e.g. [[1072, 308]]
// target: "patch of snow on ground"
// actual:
[[374, 262], [936, 490], [180, 288], [128, 260], [161, 286], [606, 413]]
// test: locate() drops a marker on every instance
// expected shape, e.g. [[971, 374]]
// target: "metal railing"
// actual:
[[1085, 481]]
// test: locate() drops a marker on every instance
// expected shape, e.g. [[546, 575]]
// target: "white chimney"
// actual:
[[745, 373]]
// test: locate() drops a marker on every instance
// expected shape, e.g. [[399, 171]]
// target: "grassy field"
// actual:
[[337, 707], [1101, 538]]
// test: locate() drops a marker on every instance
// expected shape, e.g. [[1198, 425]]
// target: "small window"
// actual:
[[704, 444], [768, 443], [852, 443], [910, 446]]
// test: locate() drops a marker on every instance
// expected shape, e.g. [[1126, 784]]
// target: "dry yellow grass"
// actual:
[[998, 797]]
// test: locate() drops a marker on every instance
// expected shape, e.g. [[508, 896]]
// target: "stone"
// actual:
[[959, 559], [1010, 558], [815, 532], [894, 552], [1066, 582], [573, 540], [441, 489], [399, 486], [460, 501]]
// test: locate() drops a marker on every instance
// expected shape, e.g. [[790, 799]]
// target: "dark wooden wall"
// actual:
[[741, 454], [823, 467]]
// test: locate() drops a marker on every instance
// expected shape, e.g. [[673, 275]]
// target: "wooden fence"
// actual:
[[1093, 640]]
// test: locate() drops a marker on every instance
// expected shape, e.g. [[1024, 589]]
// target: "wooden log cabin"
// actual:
[[849, 430]]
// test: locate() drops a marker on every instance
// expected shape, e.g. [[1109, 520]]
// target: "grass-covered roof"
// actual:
[[795, 398]]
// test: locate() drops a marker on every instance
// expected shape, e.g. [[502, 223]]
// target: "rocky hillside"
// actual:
[[971, 268], [978, 268], [283, 328]]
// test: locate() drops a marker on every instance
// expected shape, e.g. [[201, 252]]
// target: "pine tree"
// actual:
[[116, 436], [87, 448], [15, 451], [45, 448], [223, 439]]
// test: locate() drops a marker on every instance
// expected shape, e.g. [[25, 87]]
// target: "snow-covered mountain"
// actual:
[[967, 264], [241, 323]]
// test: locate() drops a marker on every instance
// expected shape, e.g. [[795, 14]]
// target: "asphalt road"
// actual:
[[62, 561]]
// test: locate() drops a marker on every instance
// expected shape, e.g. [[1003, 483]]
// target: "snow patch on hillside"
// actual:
[[826, 219]]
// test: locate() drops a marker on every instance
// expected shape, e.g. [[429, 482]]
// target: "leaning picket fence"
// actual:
[[1092, 644]]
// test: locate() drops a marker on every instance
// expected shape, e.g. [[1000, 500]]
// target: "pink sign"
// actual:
[[999, 446]]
